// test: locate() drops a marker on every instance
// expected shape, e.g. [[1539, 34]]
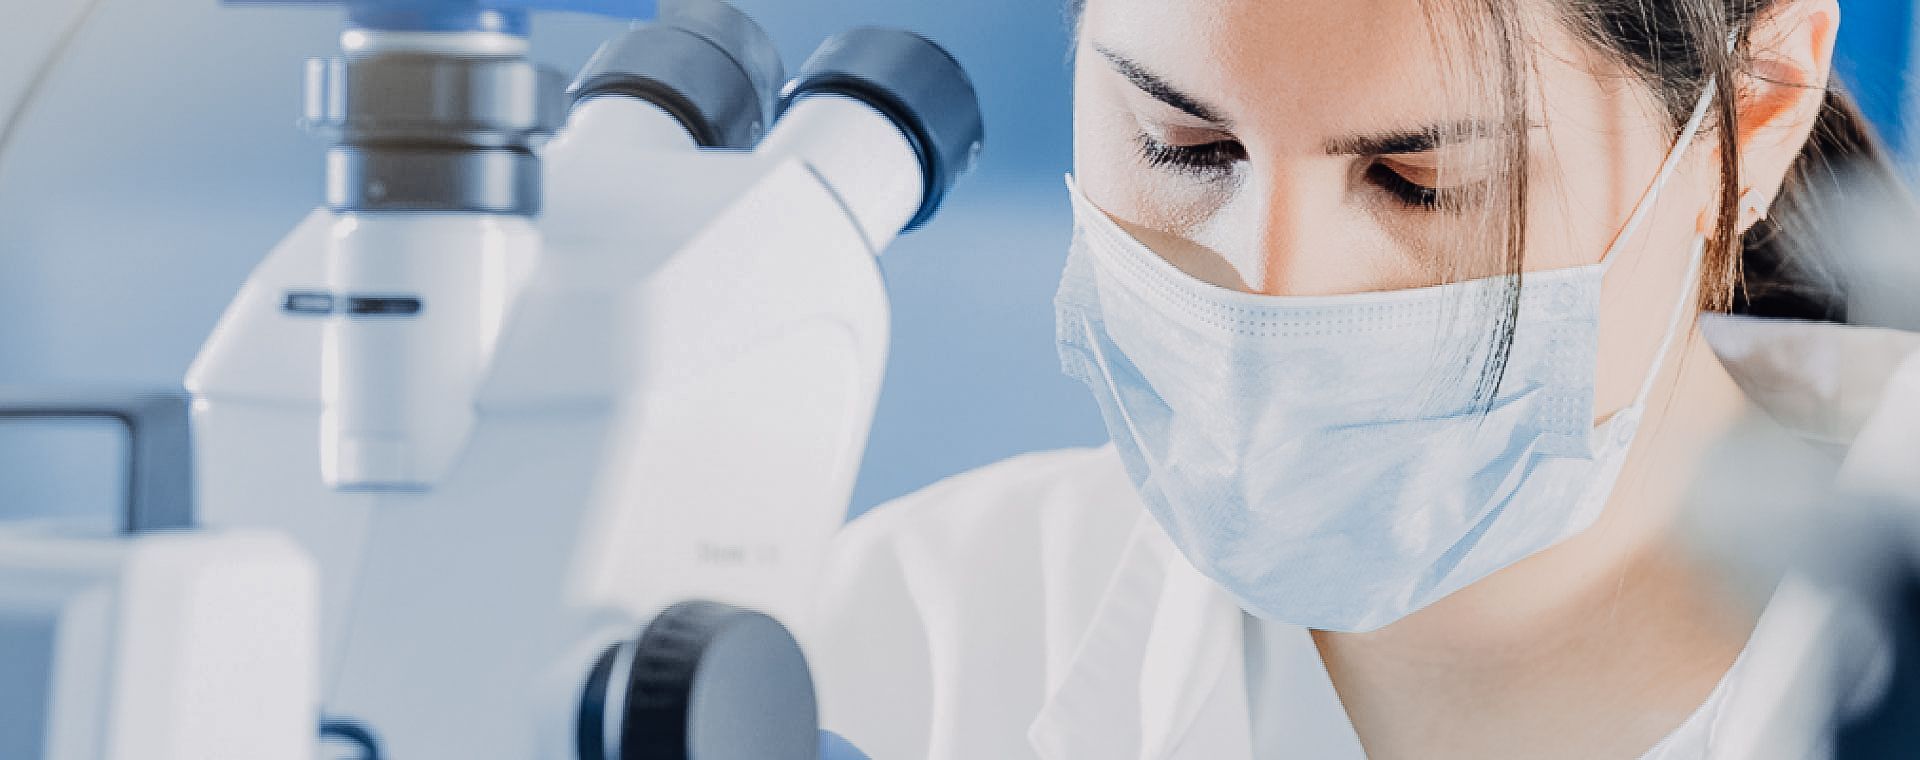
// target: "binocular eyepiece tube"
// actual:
[[886, 117], [708, 67]]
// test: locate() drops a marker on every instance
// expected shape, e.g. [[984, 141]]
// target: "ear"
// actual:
[[1790, 51]]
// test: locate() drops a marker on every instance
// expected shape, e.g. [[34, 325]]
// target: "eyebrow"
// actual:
[[1398, 142], [1418, 140], [1151, 84]]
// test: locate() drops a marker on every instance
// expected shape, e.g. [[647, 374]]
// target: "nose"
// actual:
[[1293, 233]]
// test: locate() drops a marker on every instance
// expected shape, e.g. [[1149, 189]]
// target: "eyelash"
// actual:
[[1215, 160], [1212, 160], [1407, 191]]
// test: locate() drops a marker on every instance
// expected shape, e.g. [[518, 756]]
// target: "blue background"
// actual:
[[163, 161]]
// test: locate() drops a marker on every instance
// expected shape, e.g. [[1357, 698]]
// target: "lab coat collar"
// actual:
[[1821, 380], [1161, 643], [1854, 389]]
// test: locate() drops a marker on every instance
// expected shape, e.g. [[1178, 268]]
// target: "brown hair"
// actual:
[[1676, 47]]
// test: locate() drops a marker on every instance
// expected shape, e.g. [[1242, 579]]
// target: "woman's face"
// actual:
[[1316, 147]]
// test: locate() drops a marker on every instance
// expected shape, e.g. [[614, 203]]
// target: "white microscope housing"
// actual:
[[518, 399]]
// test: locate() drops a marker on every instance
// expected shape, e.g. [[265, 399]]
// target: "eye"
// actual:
[[1212, 160], [1417, 195]]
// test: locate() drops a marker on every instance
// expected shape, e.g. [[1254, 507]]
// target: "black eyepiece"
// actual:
[[917, 84]]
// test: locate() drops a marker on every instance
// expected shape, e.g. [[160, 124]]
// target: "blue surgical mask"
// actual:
[[1331, 461]]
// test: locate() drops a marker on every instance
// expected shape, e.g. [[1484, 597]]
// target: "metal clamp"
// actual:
[[160, 454]]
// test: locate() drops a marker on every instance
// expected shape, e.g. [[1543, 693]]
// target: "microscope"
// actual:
[[537, 431]]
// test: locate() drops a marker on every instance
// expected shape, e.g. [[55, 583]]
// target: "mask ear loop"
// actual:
[[1672, 163], [1694, 259], [1681, 304], [1667, 169], [1698, 255], [1680, 308]]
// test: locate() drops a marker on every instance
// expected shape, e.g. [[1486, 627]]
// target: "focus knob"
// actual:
[[703, 681]]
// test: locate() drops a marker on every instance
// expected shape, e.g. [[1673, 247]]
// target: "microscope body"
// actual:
[[503, 401], [508, 439], [675, 410]]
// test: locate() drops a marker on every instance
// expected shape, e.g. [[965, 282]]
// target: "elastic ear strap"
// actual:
[[1683, 305], [1667, 168], [1680, 309]]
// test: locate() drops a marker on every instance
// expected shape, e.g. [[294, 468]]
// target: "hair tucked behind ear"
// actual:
[[1676, 47]]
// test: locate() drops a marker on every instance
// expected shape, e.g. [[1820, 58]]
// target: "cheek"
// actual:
[[1092, 129], [1109, 169], [1577, 200], [1104, 159], [1104, 151]]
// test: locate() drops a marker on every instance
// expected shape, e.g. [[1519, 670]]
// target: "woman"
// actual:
[[1394, 312]]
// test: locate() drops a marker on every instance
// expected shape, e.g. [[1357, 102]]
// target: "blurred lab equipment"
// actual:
[[149, 638], [1870, 543], [1816, 498], [564, 388]]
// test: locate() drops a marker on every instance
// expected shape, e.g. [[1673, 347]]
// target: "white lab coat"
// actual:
[[1032, 608]]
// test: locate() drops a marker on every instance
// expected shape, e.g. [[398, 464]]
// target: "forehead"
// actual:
[[1336, 64]]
